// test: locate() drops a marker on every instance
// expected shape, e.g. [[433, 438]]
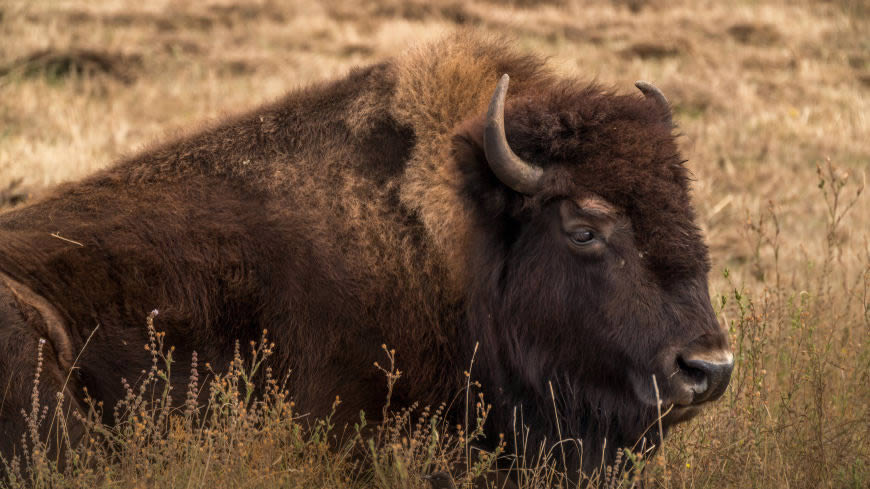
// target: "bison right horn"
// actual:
[[651, 92], [507, 166]]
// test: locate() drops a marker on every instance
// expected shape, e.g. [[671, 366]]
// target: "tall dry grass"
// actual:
[[772, 98]]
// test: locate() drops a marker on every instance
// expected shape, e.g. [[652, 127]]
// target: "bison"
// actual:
[[546, 228]]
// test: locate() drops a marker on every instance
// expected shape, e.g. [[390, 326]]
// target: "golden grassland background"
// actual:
[[773, 103]]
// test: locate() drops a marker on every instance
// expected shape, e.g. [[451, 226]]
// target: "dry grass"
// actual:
[[773, 100]]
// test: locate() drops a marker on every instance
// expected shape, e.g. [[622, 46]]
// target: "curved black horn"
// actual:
[[507, 166], [650, 91]]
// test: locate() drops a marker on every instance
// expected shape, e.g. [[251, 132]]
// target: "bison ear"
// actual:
[[651, 92]]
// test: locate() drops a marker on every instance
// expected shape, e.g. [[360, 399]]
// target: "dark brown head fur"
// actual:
[[362, 211]]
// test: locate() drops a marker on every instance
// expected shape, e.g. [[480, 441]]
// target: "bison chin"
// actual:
[[590, 417], [582, 428]]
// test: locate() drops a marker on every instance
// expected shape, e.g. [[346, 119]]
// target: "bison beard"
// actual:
[[554, 230]]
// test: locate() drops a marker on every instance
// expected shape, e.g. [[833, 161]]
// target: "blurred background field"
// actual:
[[772, 99]]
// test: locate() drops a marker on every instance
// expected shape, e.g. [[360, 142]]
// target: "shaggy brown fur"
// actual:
[[360, 212]]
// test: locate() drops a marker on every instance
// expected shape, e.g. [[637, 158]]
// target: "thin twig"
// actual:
[[58, 236], [659, 409], [558, 427]]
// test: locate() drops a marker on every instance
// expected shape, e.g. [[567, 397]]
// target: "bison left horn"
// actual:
[[523, 177], [651, 92]]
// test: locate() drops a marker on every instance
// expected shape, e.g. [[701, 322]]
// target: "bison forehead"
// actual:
[[615, 147], [573, 124]]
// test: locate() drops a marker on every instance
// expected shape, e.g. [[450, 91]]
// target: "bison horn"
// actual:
[[507, 166], [650, 91]]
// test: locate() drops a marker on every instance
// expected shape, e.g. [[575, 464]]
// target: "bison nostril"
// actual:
[[696, 377], [705, 376]]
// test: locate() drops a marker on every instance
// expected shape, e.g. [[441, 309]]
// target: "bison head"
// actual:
[[589, 281]]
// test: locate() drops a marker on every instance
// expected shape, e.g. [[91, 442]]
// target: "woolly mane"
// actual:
[[439, 86]]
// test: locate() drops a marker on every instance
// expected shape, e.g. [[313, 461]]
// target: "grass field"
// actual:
[[773, 103]]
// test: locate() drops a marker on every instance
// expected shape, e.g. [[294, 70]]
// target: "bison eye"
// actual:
[[583, 236]]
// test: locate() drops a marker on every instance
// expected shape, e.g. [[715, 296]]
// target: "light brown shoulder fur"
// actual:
[[439, 86]]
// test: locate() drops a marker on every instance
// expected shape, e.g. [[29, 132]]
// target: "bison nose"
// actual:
[[703, 376]]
